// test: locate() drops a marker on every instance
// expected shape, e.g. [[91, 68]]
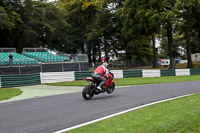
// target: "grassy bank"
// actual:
[[7, 93], [180, 116], [136, 81], [196, 64]]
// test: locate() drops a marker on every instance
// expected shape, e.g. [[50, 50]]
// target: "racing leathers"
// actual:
[[100, 74]]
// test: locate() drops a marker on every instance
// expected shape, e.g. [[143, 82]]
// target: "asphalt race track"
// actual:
[[54, 113]]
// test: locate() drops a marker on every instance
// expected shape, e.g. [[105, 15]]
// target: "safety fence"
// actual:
[[19, 80], [56, 67], [80, 75], [52, 77]]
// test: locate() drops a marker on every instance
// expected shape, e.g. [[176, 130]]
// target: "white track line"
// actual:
[[109, 116]]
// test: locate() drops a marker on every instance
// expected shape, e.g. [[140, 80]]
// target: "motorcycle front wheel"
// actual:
[[87, 92], [111, 88]]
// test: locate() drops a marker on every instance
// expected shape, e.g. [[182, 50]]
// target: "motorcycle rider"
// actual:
[[100, 74], [103, 60]]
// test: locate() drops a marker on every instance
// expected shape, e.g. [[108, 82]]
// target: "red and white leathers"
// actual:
[[101, 74], [103, 71]]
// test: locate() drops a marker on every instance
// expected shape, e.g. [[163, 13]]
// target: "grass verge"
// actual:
[[7, 93], [196, 64], [135, 81], [180, 116]]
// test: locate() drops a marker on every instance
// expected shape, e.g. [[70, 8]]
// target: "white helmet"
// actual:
[[105, 64]]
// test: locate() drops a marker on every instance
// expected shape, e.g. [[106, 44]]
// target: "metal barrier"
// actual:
[[20, 80], [170, 72], [7, 49], [52, 77], [72, 57], [120, 64], [44, 67]]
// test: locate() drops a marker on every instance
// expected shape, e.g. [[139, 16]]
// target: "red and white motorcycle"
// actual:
[[91, 90]]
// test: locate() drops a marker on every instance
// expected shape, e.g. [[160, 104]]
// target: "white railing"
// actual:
[[182, 72], [52, 77], [151, 73]]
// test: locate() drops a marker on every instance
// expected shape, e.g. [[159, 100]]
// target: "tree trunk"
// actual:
[[199, 37], [89, 54], [94, 51], [83, 48], [105, 47], [171, 47], [154, 51], [99, 51], [189, 59]]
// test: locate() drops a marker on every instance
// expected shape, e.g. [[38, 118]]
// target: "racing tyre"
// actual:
[[87, 92], [111, 88]]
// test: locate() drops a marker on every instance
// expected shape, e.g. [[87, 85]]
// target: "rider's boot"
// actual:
[[98, 91], [103, 88]]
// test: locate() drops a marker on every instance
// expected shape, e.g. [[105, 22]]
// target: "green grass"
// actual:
[[7, 93], [136, 81], [176, 116]]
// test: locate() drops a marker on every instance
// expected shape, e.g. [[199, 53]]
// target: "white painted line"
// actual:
[[126, 111]]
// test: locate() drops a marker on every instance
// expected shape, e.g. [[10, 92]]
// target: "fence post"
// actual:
[[41, 67], [63, 67], [19, 70], [79, 64]]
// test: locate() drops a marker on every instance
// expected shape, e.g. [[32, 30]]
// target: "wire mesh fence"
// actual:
[[55, 67], [37, 56], [120, 64], [8, 50]]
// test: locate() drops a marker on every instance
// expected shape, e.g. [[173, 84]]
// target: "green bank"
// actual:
[[7, 93]]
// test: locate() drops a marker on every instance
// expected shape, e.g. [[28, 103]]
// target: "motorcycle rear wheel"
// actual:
[[87, 92]]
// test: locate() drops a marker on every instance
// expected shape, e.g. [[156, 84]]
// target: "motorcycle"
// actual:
[[91, 90]]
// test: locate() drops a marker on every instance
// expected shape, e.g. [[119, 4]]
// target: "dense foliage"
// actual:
[[94, 27]]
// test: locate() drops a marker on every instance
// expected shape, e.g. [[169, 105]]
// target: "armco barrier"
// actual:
[[20, 80], [117, 73], [194, 71], [150, 73], [170, 72], [182, 72], [80, 75], [132, 73], [52, 77]]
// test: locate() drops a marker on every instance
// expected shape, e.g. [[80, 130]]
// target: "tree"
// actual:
[[187, 20], [147, 14], [46, 24], [167, 13], [33, 24], [137, 43], [9, 19], [196, 12], [79, 14], [179, 46]]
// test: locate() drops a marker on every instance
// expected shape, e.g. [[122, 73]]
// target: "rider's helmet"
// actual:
[[103, 60], [105, 64]]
